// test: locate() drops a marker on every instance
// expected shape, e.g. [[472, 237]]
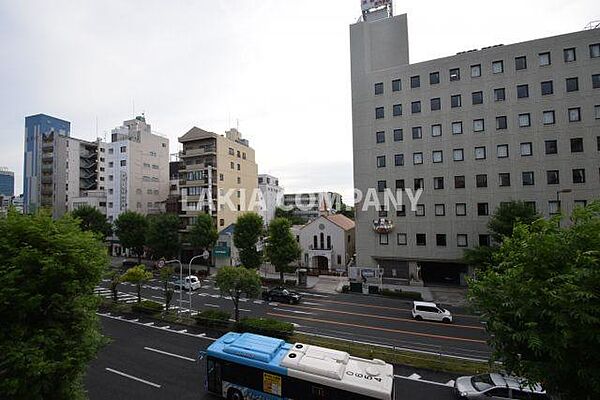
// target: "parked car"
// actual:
[[282, 295], [188, 281], [423, 310], [496, 386]]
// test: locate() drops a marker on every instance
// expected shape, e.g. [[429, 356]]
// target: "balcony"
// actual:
[[198, 152]]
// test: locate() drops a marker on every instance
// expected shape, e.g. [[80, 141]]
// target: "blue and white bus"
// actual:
[[252, 367]]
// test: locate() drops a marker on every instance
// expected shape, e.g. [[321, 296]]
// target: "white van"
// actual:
[[423, 310], [188, 281]]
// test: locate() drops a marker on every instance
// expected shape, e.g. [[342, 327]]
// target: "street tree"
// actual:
[[162, 235], [115, 280], [91, 219], [248, 231], [49, 330], [204, 233], [237, 281], [130, 228], [138, 276], [282, 247], [165, 276], [541, 303]]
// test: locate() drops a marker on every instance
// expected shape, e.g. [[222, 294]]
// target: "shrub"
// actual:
[[402, 294], [213, 318], [147, 307], [266, 326]]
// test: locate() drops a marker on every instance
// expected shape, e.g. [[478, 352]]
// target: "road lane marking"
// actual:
[[311, 304], [212, 305], [420, 380], [258, 302], [114, 371], [166, 353], [292, 311], [243, 309], [429, 335], [313, 294], [415, 376]]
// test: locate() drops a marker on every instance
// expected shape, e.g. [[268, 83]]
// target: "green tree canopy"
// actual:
[[541, 303], [204, 233], [248, 230], [49, 330], [130, 228], [138, 276], [236, 281], [282, 247], [91, 219], [162, 235], [290, 216]]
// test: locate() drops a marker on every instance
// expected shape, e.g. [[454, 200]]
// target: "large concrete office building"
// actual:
[[7, 182], [473, 130]]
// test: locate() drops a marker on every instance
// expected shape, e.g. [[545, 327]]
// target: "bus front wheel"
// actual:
[[234, 394]]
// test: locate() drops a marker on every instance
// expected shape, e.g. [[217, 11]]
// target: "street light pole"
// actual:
[[205, 256], [180, 281]]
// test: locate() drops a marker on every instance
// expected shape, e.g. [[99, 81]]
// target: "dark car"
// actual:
[[282, 295]]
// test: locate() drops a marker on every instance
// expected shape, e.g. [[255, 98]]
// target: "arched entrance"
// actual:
[[321, 263]]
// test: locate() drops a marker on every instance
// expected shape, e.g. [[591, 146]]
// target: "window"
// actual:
[[398, 135], [596, 81], [397, 110], [398, 160], [455, 74], [396, 85], [504, 179], [436, 130], [597, 111], [480, 153], [458, 155], [595, 50], [501, 123], [434, 78], [457, 128], [380, 137], [420, 210], [553, 207], [436, 104], [485, 240], [438, 183], [477, 97], [572, 84], [461, 209], [547, 88], [401, 212], [545, 59], [551, 146], [526, 149], [381, 186], [524, 120], [522, 91], [552, 177], [415, 82], [440, 240], [232, 165], [379, 113], [418, 183], [499, 94], [502, 151], [569, 55], [520, 63], [478, 125], [401, 238], [379, 88], [384, 240], [380, 161], [481, 180], [528, 178], [475, 71], [437, 156], [421, 239], [455, 101], [459, 182], [123, 163], [498, 67], [415, 107], [598, 143], [111, 151], [574, 114], [123, 149], [417, 158], [461, 240], [110, 164], [577, 145], [400, 184], [483, 209], [579, 176], [548, 117], [417, 132]]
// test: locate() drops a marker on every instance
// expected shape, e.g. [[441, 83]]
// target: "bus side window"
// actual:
[[318, 393]]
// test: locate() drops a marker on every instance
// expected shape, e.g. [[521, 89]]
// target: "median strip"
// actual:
[[114, 371]]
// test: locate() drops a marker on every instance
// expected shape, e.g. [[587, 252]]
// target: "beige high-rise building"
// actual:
[[473, 130], [217, 166]]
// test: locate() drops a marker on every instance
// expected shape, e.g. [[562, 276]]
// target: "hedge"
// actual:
[[402, 294], [147, 307], [266, 326], [213, 318]]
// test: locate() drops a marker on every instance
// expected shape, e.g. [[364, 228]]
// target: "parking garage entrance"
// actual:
[[443, 274]]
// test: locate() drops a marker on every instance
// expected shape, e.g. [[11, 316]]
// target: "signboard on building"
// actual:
[[370, 4]]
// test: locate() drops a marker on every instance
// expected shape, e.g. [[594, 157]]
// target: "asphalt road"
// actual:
[[149, 362], [371, 319]]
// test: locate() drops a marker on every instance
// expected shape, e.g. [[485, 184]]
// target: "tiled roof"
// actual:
[[342, 221]]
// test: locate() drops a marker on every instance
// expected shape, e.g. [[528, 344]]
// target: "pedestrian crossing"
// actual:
[[122, 297]]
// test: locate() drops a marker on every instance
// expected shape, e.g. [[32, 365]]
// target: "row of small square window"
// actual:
[[523, 121], [480, 152], [454, 74], [462, 240]]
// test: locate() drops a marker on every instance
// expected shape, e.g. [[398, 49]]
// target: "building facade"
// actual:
[[7, 182], [311, 205], [272, 194], [473, 130]]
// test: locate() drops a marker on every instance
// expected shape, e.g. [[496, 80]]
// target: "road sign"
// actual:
[[206, 254]]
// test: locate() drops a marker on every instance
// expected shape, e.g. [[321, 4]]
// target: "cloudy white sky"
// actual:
[[280, 67]]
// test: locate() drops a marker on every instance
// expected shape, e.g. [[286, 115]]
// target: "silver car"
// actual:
[[496, 386]]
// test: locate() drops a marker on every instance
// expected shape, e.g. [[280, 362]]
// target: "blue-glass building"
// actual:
[[7, 183]]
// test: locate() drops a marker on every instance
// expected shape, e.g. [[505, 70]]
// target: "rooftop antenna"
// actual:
[[96, 127], [132, 108], [237, 124]]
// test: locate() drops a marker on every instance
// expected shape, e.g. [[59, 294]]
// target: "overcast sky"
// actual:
[[280, 67]]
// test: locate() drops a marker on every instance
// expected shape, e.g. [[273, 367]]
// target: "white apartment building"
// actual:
[[473, 130], [272, 193]]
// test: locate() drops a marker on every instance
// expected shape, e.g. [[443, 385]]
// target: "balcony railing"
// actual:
[[313, 247], [197, 152]]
